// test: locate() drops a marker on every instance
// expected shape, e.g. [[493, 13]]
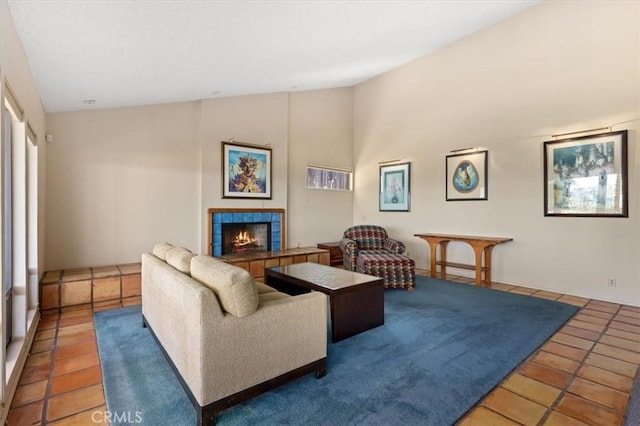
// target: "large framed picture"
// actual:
[[466, 175], [586, 176], [246, 171], [394, 188]]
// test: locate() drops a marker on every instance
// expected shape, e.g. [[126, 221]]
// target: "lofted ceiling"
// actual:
[[88, 54]]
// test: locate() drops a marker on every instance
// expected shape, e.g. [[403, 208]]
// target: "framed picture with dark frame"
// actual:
[[395, 187], [586, 176], [246, 171], [466, 175]]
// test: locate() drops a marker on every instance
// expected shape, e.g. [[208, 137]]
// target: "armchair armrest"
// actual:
[[394, 246], [350, 250]]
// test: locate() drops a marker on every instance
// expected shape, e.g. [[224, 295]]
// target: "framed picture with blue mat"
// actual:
[[466, 174], [394, 187]]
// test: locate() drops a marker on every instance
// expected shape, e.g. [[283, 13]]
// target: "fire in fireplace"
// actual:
[[246, 237]]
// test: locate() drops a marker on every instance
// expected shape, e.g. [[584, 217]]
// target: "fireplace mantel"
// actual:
[[216, 217]]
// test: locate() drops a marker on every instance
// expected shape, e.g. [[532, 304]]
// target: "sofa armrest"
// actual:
[[394, 246], [350, 253], [282, 335]]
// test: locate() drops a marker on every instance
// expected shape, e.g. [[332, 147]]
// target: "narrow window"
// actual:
[[319, 177]]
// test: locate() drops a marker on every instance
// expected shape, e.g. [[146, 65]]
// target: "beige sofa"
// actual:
[[228, 337]]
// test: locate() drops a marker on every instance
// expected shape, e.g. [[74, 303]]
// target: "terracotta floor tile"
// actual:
[[42, 346], [500, 286], [45, 334], [594, 313], [617, 353], [80, 362], [94, 417], [548, 375], [588, 412], [130, 268], [76, 312], [34, 374], [627, 319], [590, 318], [29, 393], [625, 327], [514, 406], [565, 351], [586, 325], [47, 324], [556, 361], [611, 364], [74, 402], [75, 329], [26, 415], [634, 337], [105, 271], [76, 380], [598, 393], [75, 350], [130, 301], [573, 300], [606, 377], [632, 311], [484, 416], [569, 340], [549, 295], [559, 419], [41, 358], [580, 332], [603, 306], [531, 389], [75, 338], [79, 319], [620, 343]]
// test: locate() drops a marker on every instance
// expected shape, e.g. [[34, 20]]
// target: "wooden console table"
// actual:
[[482, 246]]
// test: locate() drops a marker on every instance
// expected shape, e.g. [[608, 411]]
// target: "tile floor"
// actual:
[[582, 375]]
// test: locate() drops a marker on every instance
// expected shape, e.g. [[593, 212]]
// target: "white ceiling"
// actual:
[[124, 52]]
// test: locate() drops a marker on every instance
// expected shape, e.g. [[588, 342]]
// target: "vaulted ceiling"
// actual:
[[88, 54]]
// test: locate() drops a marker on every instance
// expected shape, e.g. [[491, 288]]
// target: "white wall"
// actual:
[[119, 180], [557, 67], [320, 133]]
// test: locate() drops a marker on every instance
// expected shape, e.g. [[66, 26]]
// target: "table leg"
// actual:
[[487, 265], [443, 259], [478, 249], [433, 246]]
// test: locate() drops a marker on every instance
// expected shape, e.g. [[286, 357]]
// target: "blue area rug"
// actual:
[[442, 348]]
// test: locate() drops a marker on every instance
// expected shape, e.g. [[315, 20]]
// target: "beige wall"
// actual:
[[119, 180], [122, 179], [256, 119], [557, 67], [320, 133]]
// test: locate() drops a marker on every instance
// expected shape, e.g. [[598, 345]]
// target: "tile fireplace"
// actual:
[[245, 230]]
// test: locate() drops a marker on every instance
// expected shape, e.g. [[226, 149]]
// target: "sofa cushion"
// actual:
[[180, 258], [263, 288], [234, 286], [160, 250]]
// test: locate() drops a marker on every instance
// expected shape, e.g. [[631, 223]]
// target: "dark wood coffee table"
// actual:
[[356, 300]]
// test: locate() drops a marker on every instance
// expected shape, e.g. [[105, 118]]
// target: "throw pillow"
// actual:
[[180, 258], [234, 286], [160, 250]]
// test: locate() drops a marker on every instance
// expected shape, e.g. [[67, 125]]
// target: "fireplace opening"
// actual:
[[246, 237]]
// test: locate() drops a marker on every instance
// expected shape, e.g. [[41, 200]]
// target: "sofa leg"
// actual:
[[206, 417], [321, 368], [144, 322]]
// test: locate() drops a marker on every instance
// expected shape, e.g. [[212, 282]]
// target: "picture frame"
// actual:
[[246, 171], [395, 194], [586, 176], [467, 176]]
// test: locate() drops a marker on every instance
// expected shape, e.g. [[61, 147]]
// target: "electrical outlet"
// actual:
[[612, 282]]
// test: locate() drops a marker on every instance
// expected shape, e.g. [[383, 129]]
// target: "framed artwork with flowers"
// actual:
[[466, 175], [246, 171], [394, 187]]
